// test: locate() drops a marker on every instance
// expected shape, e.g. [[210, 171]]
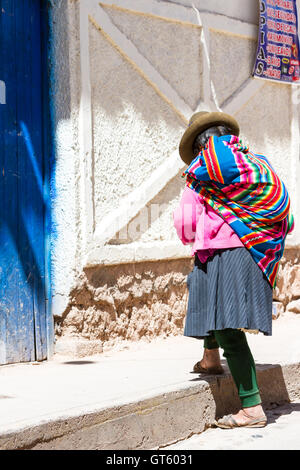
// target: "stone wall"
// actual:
[[114, 305], [287, 291], [129, 302]]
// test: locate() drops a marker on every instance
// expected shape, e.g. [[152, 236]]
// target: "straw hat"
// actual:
[[199, 122]]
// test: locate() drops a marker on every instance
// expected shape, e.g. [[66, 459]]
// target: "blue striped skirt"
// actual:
[[229, 290]]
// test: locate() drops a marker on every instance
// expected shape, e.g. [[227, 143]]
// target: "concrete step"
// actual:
[[282, 433], [142, 397]]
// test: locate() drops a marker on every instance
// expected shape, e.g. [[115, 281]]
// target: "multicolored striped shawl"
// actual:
[[245, 190]]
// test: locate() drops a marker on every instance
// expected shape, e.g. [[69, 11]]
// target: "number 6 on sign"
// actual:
[[2, 92]]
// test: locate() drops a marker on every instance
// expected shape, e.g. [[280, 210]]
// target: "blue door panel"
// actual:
[[22, 209]]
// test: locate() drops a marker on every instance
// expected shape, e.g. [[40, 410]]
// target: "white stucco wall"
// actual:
[[126, 79], [133, 129], [243, 10], [66, 223]]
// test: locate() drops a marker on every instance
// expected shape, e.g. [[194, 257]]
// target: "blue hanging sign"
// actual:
[[277, 56]]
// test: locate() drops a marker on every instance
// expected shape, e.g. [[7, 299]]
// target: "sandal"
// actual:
[[209, 370], [228, 422]]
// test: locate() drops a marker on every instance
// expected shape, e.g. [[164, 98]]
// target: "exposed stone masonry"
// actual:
[[287, 291], [145, 300], [127, 302]]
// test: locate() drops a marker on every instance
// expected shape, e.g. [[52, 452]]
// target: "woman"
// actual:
[[236, 212]]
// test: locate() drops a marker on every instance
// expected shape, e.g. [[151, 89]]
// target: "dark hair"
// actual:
[[202, 138]]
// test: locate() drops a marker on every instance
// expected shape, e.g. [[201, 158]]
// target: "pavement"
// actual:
[[281, 433], [142, 397]]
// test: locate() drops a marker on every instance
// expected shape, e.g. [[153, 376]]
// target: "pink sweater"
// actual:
[[196, 222]]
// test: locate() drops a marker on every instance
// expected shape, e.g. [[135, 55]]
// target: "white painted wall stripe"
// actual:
[[137, 199], [136, 252], [210, 98], [185, 14], [100, 18], [157, 8], [242, 95]]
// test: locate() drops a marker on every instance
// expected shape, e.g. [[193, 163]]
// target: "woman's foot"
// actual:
[[253, 417], [253, 412], [210, 363]]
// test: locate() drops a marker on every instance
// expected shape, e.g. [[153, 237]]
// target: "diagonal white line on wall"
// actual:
[[230, 26], [242, 95], [238, 99], [102, 21], [137, 199], [134, 201], [251, 86]]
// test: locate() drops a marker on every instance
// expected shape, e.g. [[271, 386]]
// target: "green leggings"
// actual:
[[240, 362]]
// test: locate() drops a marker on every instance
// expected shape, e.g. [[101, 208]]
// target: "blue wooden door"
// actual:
[[22, 208]]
